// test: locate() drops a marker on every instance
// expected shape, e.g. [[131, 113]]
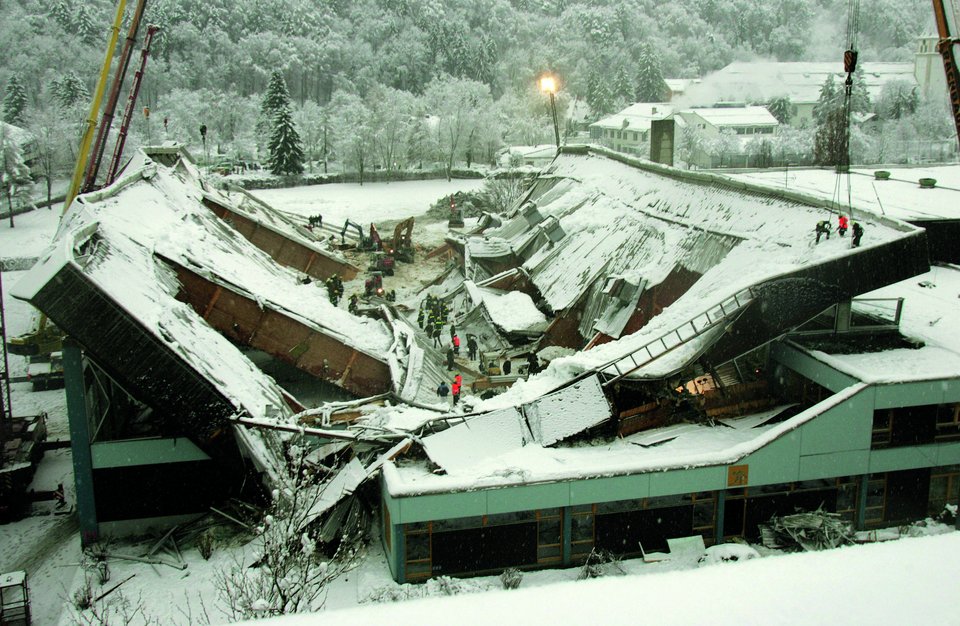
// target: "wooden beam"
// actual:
[[213, 301]]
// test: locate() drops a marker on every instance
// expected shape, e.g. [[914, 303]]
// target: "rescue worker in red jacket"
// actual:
[[456, 345], [843, 224], [455, 388]]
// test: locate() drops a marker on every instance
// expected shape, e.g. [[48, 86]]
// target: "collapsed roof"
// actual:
[[143, 275]]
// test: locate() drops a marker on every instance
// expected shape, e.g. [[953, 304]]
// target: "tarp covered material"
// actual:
[[477, 438]]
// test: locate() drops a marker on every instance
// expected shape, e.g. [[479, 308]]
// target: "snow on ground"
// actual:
[[903, 582], [370, 202], [899, 197], [31, 233], [896, 583]]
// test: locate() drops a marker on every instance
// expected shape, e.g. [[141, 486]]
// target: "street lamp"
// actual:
[[548, 84]]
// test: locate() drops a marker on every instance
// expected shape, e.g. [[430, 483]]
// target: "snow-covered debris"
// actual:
[[568, 411], [477, 438]]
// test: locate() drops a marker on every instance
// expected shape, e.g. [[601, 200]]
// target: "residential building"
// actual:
[[746, 123], [762, 81], [629, 130]]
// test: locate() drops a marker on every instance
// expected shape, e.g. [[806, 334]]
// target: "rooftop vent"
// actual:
[[552, 229], [928, 183], [530, 213]]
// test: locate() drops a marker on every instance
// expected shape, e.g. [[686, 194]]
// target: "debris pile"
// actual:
[[815, 530]]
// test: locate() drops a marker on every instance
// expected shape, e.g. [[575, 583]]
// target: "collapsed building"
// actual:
[[703, 393]]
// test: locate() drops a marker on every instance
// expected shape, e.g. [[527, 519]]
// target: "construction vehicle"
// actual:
[[373, 286], [44, 340], [403, 241], [946, 45], [382, 262], [363, 241]]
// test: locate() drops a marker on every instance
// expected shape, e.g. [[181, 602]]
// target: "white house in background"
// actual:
[[536, 156], [746, 123], [742, 82], [629, 130]]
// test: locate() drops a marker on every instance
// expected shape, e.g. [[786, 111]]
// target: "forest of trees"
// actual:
[[396, 83]]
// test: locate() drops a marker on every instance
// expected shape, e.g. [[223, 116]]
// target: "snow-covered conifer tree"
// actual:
[[14, 173], [650, 84], [14, 101], [286, 149], [70, 90], [86, 25], [274, 100]]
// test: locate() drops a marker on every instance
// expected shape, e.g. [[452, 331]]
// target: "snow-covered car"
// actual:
[[727, 553]]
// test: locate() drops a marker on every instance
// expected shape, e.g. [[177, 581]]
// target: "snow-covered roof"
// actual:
[[540, 151], [900, 196], [18, 135], [637, 116], [929, 315], [745, 81], [154, 213], [696, 446], [513, 311], [735, 116], [624, 218]]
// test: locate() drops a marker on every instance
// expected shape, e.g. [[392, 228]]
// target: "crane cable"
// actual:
[[849, 66]]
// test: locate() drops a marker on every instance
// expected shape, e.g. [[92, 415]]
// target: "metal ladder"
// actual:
[[644, 355]]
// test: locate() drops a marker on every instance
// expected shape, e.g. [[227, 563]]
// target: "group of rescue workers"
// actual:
[[453, 389], [843, 224], [335, 289]]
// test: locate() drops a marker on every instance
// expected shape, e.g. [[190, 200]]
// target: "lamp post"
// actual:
[[548, 84]]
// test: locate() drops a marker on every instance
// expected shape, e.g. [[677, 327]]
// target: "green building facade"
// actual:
[[880, 454]]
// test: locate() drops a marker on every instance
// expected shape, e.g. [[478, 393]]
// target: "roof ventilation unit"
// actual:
[[530, 213], [552, 229]]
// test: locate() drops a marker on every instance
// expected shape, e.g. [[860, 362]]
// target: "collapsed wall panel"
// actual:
[[286, 249], [132, 355], [290, 340], [789, 301]]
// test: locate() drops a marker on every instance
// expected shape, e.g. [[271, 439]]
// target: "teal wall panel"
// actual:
[[442, 506], [777, 462], [909, 394], [844, 427], [948, 453], [688, 481], [951, 390], [528, 498], [809, 367], [850, 463], [145, 452], [392, 504], [907, 457], [609, 489]]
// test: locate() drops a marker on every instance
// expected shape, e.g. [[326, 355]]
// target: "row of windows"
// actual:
[[913, 425], [755, 130], [536, 538], [635, 135]]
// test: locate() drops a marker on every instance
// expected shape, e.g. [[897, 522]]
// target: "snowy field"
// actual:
[[370, 202], [913, 580]]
